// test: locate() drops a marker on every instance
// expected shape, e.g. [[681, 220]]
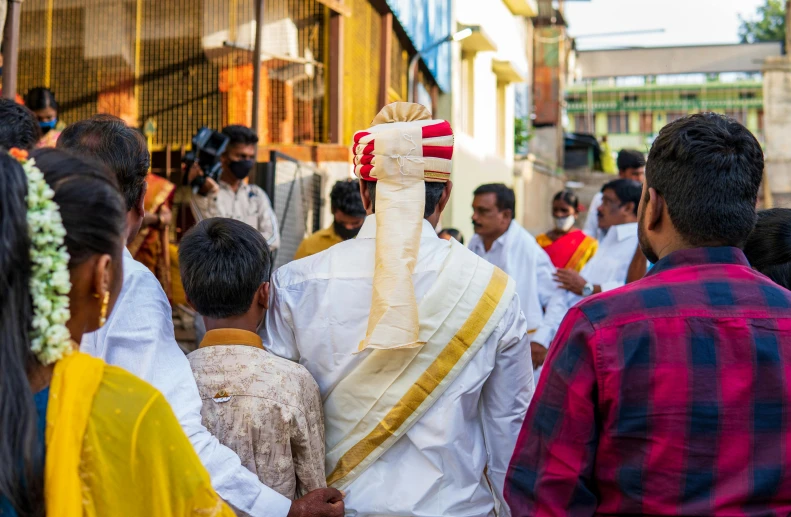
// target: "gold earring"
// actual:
[[103, 312]]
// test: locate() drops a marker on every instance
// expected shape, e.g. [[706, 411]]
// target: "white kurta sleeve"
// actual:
[[545, 272], [505, 397], [556, 310], [139, 337], [279, 332], [609, 286], [591, 227]]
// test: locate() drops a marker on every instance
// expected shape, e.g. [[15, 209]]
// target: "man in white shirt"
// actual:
[[631, 166], [418, 345], [231, 196], [505, 243], [608, 268], [138, 336]]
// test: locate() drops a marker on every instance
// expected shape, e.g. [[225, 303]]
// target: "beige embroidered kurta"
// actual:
[[266, 409]]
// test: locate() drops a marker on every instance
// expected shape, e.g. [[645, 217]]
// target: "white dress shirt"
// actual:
[[591, 227], [139, 337], [249, 204], [608, 268], [517, 253], [454, 459]]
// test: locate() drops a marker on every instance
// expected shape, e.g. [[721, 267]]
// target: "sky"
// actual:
[[686, 22]]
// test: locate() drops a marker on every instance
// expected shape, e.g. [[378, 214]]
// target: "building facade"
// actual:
[[631, 111], [487, 68]]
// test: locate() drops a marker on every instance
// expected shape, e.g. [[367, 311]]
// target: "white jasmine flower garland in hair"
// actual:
[[49, 280]]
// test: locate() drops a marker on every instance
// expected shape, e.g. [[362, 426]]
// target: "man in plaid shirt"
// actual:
[[670, 396]]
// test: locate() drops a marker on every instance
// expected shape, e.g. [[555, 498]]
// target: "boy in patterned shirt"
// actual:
[[266, 409]]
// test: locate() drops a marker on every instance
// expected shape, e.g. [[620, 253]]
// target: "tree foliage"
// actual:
[[769, 23], [521, 135]]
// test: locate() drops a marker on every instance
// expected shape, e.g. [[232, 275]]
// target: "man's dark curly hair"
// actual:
[[345, 196]]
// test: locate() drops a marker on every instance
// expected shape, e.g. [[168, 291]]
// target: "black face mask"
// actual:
[[343, 232], [241, 168]]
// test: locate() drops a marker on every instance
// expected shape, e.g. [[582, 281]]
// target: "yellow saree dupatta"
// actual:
[[68, 412], [114, 447]]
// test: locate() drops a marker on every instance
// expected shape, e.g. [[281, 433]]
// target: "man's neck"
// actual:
[[246, 322], [672, 245], [489, 240], [231, 180]]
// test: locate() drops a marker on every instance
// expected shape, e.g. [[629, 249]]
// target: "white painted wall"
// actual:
[[478, 158]]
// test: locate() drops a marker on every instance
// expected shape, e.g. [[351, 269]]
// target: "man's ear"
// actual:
[[141, 203], [654, 209], [445, 197], [367, 204], [262, 295]]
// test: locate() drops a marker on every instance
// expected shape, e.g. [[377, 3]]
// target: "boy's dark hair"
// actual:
[[627, 191], [345, 196], [223, 262], [768, 248], [708, 168], [18, 126], [120, 148], [505, 196], [240, 135], [433, 194], [630, 159]]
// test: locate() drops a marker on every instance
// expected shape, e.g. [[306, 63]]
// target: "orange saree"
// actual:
[[572, 251], [152, 244]]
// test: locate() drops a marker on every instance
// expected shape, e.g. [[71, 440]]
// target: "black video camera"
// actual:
[[207, 146]]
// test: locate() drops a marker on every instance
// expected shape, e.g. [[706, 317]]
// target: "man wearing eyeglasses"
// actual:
[[617, 216], [631, 166]]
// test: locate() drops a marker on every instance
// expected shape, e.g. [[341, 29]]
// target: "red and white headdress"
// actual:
[[433, 149], [401, 150]]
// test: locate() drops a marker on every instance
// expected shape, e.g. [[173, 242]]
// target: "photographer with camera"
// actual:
[[229, 195]]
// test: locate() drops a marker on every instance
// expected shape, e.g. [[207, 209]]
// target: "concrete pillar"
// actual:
[[777, 127]]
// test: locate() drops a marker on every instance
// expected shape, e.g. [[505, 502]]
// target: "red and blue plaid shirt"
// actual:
[[669, 396]]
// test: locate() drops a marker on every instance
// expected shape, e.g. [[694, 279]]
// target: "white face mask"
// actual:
[[565, 224]]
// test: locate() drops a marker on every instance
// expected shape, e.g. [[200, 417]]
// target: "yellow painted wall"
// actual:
[[752, 120], [600, 124], [660, 119], [634, 122]]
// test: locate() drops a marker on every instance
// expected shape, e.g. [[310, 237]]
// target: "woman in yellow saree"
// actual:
[[77, 437], [152, 244], [568, 248]]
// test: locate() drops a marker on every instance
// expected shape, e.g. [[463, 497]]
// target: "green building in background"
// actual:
[[630, 111]]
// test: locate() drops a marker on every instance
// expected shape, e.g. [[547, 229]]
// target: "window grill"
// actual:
[[173, 66]]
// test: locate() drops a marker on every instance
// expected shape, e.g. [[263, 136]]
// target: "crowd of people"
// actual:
[[389, 369]]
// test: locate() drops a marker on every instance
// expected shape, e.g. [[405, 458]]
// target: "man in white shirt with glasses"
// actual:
[[617, 216]]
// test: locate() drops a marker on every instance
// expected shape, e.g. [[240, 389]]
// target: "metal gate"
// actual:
[[295, 188]]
